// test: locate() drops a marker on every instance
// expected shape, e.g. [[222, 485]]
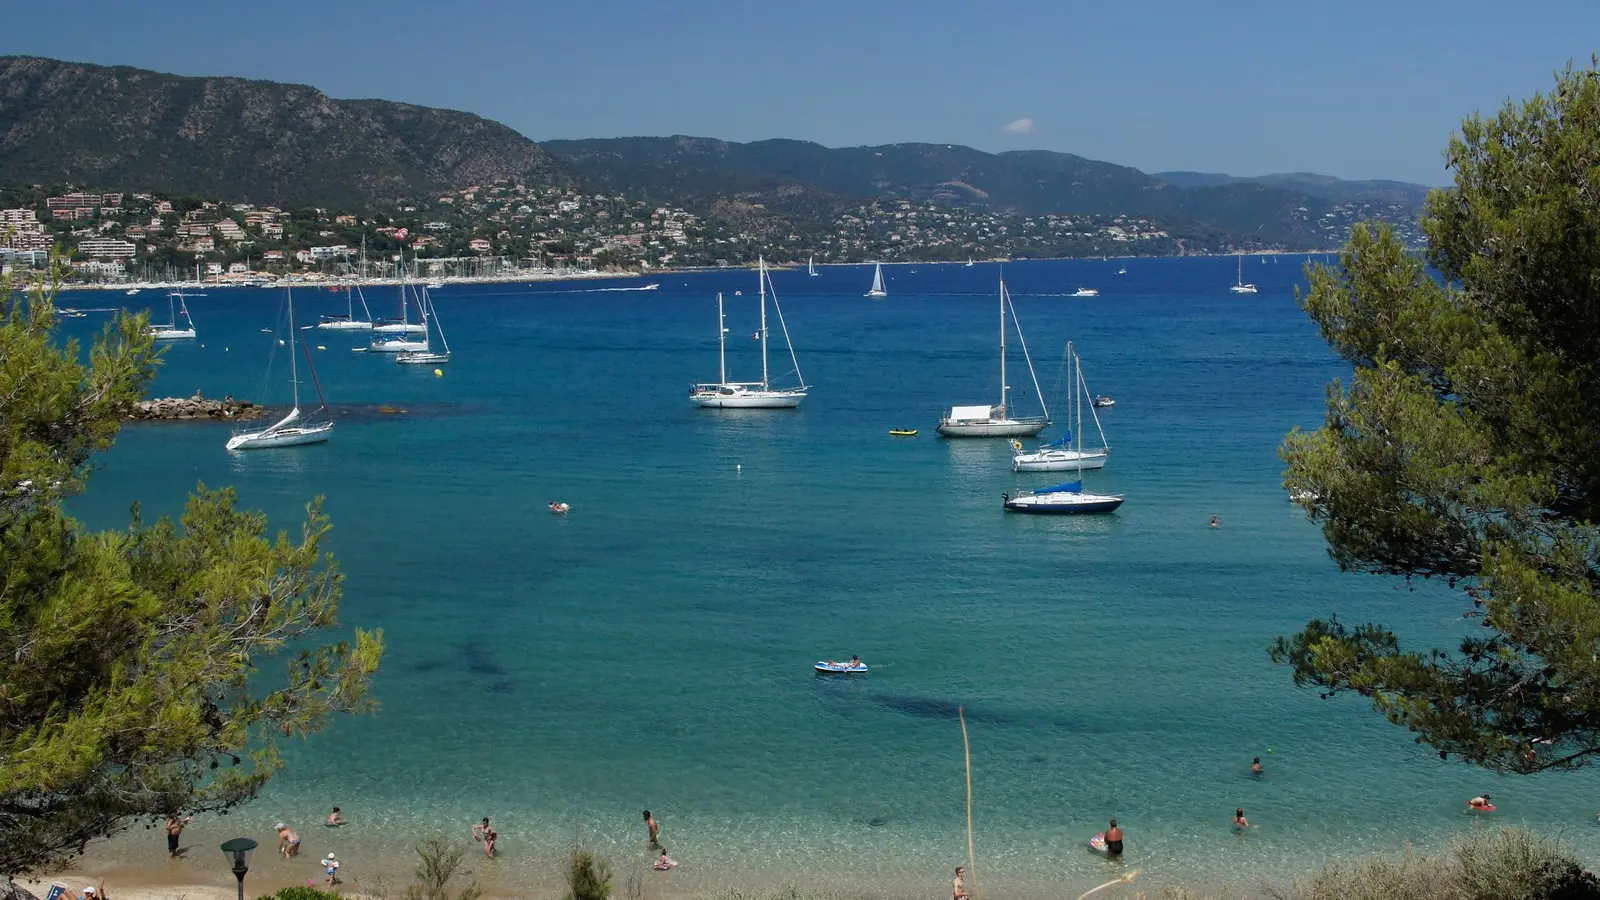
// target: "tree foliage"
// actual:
[[129, 680], [1467, 446]]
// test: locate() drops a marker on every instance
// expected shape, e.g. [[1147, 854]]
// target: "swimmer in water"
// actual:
[[1240, 823], [1480, 804], [336, 818], [1215, 522], [664, 863], [1255, 766]]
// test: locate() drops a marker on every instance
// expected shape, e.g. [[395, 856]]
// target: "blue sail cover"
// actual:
[[1071, 487], [1064, 444]]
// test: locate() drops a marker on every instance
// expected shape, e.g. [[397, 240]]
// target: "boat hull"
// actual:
[[877, 293], [1059, 461], [285, 437], [838, 669], [1063, 504], [420, 358], [399, 346], [993, 428], [345, 326], [749, 400], [172, 334], [400, 328]]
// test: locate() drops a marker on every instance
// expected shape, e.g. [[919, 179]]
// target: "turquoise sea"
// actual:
[[653, 649]]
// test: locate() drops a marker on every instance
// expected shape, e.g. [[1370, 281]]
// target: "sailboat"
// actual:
[[877, 282], [997, 421], [1068, 498], [171, 331], [969, 262], [290, 431], [1239, 287], [725, 394], [402, 325], [1064, 455], [811, 267], [394, 340], [348, 321], [427, 355]]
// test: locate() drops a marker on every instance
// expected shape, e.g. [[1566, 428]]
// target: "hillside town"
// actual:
[[513, 230]]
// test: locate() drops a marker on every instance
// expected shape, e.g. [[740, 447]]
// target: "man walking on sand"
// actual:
[[174, 830]]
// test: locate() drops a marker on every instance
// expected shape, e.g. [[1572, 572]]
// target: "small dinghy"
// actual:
[[903, 432], [830, 667]]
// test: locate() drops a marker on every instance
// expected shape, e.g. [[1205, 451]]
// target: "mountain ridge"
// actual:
[[254, 140], [686, 168]]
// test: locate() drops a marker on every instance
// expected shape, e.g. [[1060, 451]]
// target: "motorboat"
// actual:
[[903, 432], [1084, 292], [1104, 402]]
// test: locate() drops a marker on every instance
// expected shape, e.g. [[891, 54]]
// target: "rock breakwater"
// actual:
[[172, 409]]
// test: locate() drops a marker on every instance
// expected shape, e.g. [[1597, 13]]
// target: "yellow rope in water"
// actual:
[[966, 743]]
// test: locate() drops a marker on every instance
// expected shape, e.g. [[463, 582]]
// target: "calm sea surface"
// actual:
[[653, 649]]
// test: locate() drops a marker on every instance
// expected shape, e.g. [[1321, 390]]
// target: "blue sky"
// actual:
[[1356, 89]]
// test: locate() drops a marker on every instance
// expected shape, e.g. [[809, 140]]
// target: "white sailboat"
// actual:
[[877, 282], [427, 355], [811, 267], [403, 325], [997, 421], [348, 321], [969, 262], [291, 430], [171, 331], [725, 394], [1239, 286], [398, 341], [1068, 453]]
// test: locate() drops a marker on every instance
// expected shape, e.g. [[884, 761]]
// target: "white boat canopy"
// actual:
[[970, 413]]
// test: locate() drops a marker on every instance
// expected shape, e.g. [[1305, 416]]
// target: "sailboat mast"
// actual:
[[722, 342], [1003, 386], [294, 370], [761, 268]]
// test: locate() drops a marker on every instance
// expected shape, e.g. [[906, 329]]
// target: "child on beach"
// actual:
[[664, 863], [331, 864], [335, 818]]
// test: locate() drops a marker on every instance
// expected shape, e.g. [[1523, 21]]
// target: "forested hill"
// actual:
[[255, 141], [787, 173]]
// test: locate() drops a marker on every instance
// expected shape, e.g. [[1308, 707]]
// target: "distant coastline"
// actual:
[[594, 275]]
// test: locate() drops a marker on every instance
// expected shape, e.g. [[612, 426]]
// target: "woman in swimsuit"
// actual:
[[1114, 839], [1240, 823]]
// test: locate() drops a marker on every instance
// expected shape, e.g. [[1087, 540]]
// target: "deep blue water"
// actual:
[[653, 648]]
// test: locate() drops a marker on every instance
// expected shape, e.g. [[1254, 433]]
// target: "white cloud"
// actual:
[[1023, 125]]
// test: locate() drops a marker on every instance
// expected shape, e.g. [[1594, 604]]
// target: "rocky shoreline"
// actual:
[[174, 409]]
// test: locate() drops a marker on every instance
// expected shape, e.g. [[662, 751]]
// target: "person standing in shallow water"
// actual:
[[1114, 839], [485, 834], [1255, 766], [655, 829], [175, 825], [958, 887]]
